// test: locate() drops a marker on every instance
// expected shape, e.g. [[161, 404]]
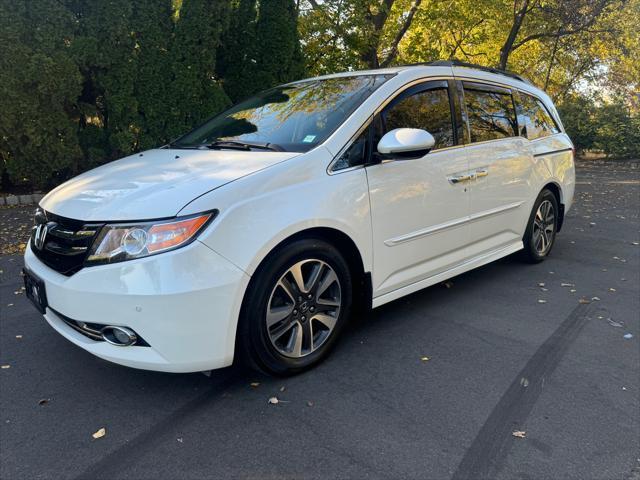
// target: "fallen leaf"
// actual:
[[573, 290], [179, 439], [18, 337], [448, 284], [567, 285], [541, 284], [541, 301], [628, 336], [584, 301], [283, 388], [274, 400], [43, 401], [519, 434], [595, 299], [100, 433], [254, 384], [612, 289], [5, 366], [309, 404], [425, 359]]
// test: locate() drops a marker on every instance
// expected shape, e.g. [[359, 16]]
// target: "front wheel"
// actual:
[[295, 307], [542, 227]]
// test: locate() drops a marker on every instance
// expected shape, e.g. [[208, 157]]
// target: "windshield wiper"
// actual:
[[247, 146]]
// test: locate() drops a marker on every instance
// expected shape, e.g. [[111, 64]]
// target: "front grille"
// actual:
[[65, 244]]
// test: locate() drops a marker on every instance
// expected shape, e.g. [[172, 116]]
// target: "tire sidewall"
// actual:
[[253, 329]]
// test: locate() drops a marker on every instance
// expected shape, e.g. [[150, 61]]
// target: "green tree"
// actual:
[[196, 93], [278, 56], [153, 26], [236, 63], [104, 50], [39, 85]]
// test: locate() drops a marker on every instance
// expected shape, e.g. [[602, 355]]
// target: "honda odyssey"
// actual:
[[256, 235]]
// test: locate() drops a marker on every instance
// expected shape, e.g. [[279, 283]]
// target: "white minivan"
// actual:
[[256, 235]]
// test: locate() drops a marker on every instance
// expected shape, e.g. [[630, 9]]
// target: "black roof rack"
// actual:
[[458, 63]]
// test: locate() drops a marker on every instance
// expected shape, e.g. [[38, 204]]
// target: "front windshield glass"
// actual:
[[292, 118]]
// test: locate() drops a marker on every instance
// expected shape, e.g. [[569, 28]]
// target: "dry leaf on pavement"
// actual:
[[100, 433], [519, 434]]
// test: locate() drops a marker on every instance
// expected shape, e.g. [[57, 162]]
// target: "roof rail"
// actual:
[[458, 63]]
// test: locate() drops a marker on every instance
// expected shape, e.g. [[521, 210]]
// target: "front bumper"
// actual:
[[184, 304]]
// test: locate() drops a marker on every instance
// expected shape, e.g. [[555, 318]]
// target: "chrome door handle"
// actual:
[[481, 172], [453, 179]]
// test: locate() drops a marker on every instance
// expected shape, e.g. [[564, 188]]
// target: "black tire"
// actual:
[[254, 343], [532, 252]]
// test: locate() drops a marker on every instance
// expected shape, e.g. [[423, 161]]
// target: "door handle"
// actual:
[[454, 179], [481, 172]]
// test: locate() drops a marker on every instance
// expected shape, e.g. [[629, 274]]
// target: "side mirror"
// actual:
[[409, 142]]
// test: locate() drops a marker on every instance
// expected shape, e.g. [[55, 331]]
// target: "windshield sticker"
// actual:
[[309, 139]]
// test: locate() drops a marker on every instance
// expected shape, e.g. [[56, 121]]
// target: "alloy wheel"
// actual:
[[544, 225], [303, 308]]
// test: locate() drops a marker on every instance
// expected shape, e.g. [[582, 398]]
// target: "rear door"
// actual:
[[500, 163]]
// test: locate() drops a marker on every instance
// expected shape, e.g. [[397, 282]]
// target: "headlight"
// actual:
[[119, 242]]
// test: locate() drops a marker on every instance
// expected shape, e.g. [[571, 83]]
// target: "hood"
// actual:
[[153, 184]]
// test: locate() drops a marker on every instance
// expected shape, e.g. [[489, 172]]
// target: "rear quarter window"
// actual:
[[534, 118]]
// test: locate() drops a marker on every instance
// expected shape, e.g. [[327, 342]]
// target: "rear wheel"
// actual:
[[295, 307], [541, 231]]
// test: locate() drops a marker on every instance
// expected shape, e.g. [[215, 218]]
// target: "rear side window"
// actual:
[[428, 110], [490, 111], [534, 119]]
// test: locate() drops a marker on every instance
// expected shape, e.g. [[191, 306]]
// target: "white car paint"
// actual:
[[410, 224], [153, 184]]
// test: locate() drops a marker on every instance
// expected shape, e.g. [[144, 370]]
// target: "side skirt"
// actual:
[[463, 267]]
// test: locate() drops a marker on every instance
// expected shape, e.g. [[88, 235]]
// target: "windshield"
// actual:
[[292, 118]]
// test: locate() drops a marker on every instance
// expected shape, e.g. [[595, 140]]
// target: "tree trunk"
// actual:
[[518, 18]]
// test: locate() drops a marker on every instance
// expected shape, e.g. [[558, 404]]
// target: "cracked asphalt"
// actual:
[[511, 347]]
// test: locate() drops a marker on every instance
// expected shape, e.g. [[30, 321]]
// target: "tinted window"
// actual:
[[295, 117], [534, 119], [429, 110], [356, 153], [491, 114]]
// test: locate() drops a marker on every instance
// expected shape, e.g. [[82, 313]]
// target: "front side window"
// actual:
[[491, 113], [534, 119], [293, 118], [356, 154], [428, 110]]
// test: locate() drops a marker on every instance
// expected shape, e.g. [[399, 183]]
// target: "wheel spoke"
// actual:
[[327, 320], [328, 303], [279, 332], [296, 272], [307, 336], [288, 288], [277, 314], [537, 238], [296, 341], [314, 278], [328, 280]]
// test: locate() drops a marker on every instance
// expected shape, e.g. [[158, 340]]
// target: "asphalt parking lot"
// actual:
[[432, 386]]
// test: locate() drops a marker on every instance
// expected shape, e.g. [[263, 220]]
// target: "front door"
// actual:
[[419, 207]]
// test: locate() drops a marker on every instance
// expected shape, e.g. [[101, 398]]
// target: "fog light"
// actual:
[[120, 336]]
